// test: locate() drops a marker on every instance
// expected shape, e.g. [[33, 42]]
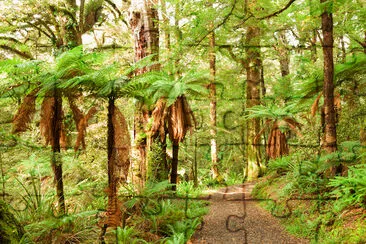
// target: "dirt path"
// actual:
[[232, 220]]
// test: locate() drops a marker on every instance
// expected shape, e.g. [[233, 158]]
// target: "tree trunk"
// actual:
[[144, 23], [284, 56], [56, 157], [174, 172], [213, 131], [313, 53], [330, 133], [113, 210], [253, 67]]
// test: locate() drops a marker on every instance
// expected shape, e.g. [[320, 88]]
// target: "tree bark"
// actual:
[[253, 67], [212, 89], [330, 143], [56, 159], [284, 56], [330, 130], [145, 29]]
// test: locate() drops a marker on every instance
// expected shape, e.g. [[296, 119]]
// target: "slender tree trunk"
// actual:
[[56, 157], [284, 56], [174, 172], [212, 88], [330, 132], [111, 146], [253, 67], [166, 30], [313, 54], [330, 144]]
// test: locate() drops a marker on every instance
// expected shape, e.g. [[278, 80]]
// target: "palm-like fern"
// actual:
[[172, 114], [278, 120]]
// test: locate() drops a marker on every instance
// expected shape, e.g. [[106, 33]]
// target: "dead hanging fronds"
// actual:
[[118, 165], [114, 212], [159, 116], [77, 114], [25, 113], [81, 121], [277, 143], [81, 128], [337, 103], [47, 113], [315, 106], [63, 137], [180, 119], [122, 146], [46, 122]]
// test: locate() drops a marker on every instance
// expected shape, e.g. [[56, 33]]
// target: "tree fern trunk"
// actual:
[[174, 172], [56, 159]]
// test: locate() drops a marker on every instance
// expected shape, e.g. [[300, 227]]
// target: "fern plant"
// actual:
[[278, 120], [350, 190], [172, 114]]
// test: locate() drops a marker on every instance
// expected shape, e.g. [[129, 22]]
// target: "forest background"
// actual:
[[105, 99]]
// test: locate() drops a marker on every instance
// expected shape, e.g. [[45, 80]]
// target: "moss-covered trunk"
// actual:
[[253, 68]]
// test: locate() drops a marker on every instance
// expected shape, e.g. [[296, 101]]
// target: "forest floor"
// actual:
[[235, 218]]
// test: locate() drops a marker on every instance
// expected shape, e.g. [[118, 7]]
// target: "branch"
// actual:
[[10, 39], [242, 61], [40, 30], [220, 24], [114, 6], [279, 11], [18, 52], [81, 16]]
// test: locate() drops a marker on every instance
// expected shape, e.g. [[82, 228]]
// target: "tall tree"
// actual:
[[330, 143], [144, 25], [253, 72], [212, 94]]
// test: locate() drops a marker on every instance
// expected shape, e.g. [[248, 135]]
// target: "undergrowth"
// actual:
[[320, 208]]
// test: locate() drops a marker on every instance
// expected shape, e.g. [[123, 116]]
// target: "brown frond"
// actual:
[[180, 120], [337, 102], [81, 128], [25, 113], [315, 106], [188, 115], [294, 125], [114, 213], [63, 138], [277, 143], [92, 111], [159, 116], [47, 113], [256, 138], [122, 144], [76, 112]]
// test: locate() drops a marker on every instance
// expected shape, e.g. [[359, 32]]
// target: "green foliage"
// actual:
[[76, 227], [166, 85], [350, 190], [182, 231], [280, 165], [127, 235]]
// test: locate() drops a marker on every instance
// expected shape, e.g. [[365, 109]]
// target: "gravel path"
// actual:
[[232, 220]]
